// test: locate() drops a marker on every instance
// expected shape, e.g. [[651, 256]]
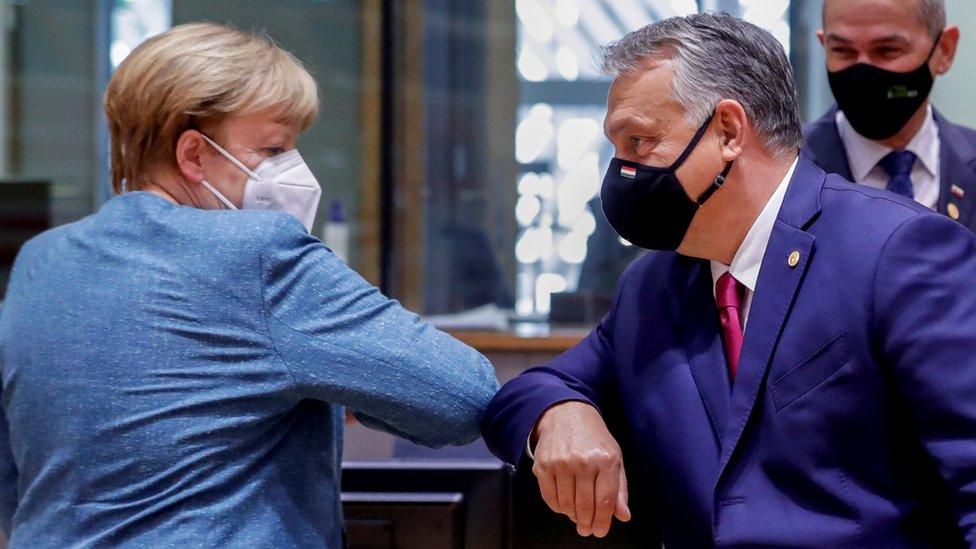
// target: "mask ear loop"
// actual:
[[223, 199], [230, 205], [934, 47], [694, 143], [719, 181], [716, 185], [230, 157]]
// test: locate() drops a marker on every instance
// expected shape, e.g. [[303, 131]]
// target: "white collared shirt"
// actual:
[[748, 258], [864, 154]]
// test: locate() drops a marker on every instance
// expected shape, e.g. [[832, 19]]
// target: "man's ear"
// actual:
[[734, 126], [948, 44], [190, 148]]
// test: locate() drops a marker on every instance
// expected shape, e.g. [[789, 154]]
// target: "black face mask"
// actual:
[[878, 102], [647, 206]]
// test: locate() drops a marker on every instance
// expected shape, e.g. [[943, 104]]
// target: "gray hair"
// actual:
[[716, 57], [931, 12]]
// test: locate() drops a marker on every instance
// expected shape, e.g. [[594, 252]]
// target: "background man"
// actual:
[[882, 58]]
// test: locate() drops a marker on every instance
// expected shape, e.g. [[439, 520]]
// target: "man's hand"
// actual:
[[580, 467]]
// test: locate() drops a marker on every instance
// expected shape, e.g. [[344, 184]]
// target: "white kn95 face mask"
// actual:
[[282, 183]]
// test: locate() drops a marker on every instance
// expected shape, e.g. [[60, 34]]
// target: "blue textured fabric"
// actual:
[[898, 165], [175, 377]]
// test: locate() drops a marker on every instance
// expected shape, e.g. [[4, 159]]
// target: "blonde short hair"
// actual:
[[191, 75]]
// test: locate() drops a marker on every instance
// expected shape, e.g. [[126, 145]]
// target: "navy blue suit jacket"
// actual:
[[852, 421], [957, 155]]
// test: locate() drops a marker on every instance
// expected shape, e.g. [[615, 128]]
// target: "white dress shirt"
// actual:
[[864, 154], [748, 258]]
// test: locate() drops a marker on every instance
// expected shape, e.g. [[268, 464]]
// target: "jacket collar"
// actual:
[[788, 254], [957, 158], [729, 405], [823, 145]]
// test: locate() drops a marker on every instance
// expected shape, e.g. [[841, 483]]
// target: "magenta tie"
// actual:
[[728, 295]]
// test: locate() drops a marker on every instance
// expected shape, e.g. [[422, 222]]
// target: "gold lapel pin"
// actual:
[[953, 210], [794, 259]]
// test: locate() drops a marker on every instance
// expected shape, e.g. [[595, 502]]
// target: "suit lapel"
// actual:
[[775, 293], [775, 290], [703, 344], [957, 167], [822, 144]]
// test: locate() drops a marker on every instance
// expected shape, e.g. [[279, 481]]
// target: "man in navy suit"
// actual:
[[882, 58], [795, 365]]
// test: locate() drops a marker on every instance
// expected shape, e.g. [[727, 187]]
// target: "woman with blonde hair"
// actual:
[[175, 366]]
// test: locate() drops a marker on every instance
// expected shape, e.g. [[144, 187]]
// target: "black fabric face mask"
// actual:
[[878, 102], [647, 205]]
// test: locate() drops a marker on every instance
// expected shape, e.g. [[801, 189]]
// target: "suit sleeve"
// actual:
[[584, 374], [343, 342], [925, 314]]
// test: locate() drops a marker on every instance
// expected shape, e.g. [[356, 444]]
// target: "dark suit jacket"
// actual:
[[852, 421], [823, 145]]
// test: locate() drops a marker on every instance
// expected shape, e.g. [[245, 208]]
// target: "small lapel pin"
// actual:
[[953, 210], [794, 259], [957, 192]]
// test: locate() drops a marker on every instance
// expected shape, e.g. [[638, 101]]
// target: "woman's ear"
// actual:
[[733, 126], [190, 149]]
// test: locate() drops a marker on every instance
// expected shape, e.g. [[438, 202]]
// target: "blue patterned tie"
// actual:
[[898, 165]]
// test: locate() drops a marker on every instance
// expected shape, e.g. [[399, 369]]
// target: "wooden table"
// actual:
[[554, 342], [513, 352]]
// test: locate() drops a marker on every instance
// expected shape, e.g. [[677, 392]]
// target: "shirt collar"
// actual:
[[864, 154], [748, 258]]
